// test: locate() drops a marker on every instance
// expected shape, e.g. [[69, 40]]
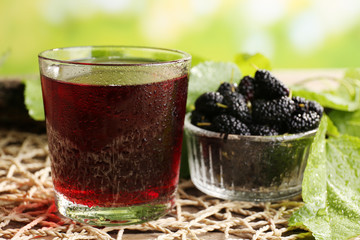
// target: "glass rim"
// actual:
[[277, 138], [184, 58]]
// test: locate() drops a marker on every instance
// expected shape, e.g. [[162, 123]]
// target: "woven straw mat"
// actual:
[[27, 209]]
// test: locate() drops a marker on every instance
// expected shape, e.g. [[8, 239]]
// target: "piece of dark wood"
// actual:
[[13, 112]]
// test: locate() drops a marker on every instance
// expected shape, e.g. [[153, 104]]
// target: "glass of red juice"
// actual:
[[114, 117]]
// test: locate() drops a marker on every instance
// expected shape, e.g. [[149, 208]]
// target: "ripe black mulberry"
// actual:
[[303, 105], [303, 121], [227, 88], [200, 120], [273, 111], [237, 107], [229, 125], [246, 87], [263, 130], [269, 87], [210, 104]]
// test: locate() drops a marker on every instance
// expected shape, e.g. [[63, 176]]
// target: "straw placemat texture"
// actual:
[[27, 208]]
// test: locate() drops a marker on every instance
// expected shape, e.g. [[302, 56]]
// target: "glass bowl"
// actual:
[[247, 168]]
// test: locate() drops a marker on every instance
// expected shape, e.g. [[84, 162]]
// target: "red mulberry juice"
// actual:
[[115, 145]]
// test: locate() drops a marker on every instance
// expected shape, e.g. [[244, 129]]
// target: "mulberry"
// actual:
[[200, 120], [229, 125], [227, 88], [269, 87], [246, 88], [210, 104], [315, 106], [237, 107], [303, 105], [303, 121], [273, 111], [263, 130]]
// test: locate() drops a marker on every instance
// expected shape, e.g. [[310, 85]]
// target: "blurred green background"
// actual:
[[292, 34]]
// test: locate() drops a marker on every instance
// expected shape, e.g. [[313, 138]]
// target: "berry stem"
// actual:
[[232, 76], [255, 66], [221, 105], [200, 124]]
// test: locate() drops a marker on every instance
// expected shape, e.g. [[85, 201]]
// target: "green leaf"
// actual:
[[314, 184], [207, 76], [333, 100], [347, 122], [331, 189], [353, 73], [248, 64], [33, 99], [331, 128], [344, 98]]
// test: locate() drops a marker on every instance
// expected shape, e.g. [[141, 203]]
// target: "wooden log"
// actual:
[[13, 112]]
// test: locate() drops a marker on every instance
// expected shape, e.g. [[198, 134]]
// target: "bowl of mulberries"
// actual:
[[250, 141]]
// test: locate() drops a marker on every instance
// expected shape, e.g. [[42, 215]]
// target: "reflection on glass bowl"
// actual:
[[247, 168]]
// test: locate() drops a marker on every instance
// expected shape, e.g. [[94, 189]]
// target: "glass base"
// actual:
[[110, 216]]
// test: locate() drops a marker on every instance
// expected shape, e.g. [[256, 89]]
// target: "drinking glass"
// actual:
[[114, 117]]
